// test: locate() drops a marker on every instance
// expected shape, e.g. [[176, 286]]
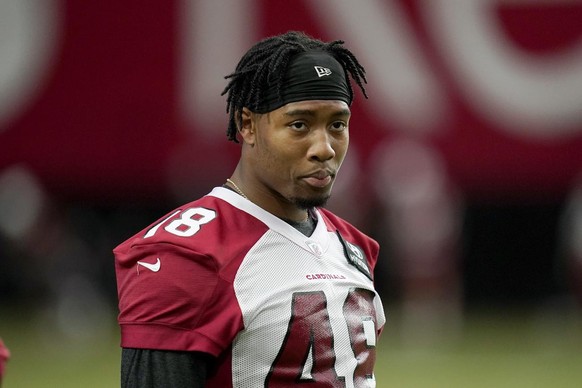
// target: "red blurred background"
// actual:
[[465, 162]]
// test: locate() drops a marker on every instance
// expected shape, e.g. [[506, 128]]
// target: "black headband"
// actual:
[[311, 75]]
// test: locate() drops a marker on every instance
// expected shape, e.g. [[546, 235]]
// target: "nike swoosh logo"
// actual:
[[155, 267]]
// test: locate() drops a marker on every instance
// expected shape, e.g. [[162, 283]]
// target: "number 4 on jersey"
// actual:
[[307, 355]]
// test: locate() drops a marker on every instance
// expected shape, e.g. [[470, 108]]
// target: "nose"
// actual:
[[321, 148]]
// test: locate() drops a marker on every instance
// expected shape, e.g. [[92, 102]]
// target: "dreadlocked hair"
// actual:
[[265, 63]]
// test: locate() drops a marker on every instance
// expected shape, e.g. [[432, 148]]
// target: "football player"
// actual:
[[256, 283]]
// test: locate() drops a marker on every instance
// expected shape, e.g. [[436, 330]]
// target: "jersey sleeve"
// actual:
[[173, 298]]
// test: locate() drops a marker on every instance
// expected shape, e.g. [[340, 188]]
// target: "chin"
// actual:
[[311, 202]]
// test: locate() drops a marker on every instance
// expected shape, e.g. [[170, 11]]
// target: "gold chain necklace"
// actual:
[[235, 187]]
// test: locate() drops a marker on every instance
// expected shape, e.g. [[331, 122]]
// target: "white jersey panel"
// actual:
[[271, 273]]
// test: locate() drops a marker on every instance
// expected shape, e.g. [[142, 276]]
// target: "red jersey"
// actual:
[[4, 356], [222, 276]]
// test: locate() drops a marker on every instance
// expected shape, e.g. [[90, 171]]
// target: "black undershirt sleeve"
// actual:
[[145, 368]]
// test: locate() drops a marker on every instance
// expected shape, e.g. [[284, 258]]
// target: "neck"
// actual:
[[279, 207]]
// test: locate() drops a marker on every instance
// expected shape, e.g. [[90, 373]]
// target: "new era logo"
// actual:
[[321, 71]]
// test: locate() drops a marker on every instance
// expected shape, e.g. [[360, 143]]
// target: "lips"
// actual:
[[319, 179]]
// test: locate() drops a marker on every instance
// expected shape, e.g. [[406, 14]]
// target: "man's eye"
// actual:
[[339, 125], [298, 125]]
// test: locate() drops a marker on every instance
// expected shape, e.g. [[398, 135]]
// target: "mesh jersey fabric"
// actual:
[[222, 276]]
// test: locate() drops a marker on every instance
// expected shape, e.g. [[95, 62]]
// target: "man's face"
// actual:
[[298, 150]]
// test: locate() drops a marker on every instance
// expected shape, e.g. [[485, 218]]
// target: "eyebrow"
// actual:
[[309, 112]]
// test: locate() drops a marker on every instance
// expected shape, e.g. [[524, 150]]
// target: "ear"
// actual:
[[247, 129]]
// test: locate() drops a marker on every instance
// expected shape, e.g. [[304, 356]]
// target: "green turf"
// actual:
[[498, 349], [492, 350]]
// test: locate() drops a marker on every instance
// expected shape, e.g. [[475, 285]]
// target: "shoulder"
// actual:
[[205, 227], [351, 234]]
